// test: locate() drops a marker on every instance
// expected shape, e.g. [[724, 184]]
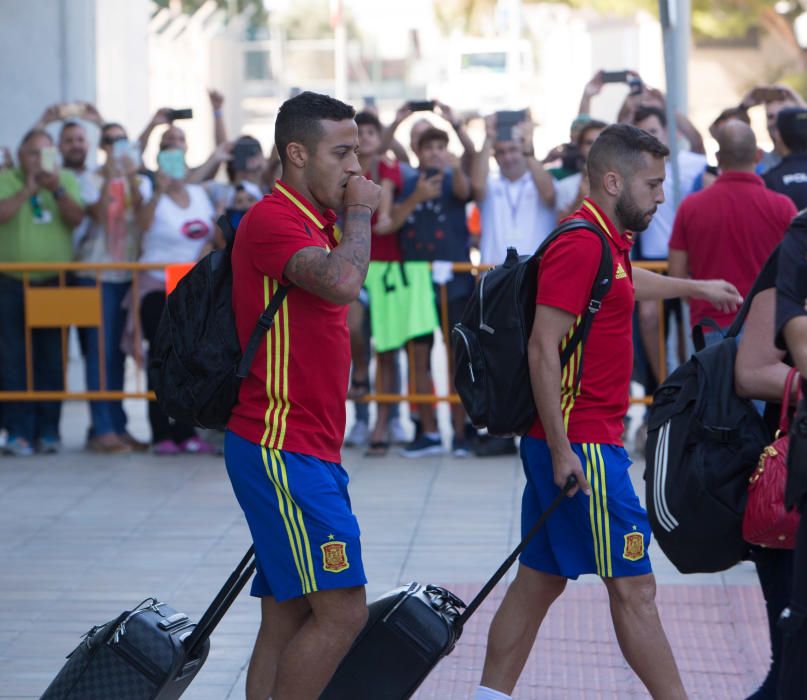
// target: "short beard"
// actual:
[[74, 163], [629, 214]]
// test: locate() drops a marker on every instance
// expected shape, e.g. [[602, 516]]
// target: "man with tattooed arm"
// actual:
[[282, 446]]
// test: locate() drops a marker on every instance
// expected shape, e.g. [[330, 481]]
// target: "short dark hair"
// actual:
[[588, 126], [432, 134], [111, 125], [792, 125], [244, 140], [69, 125], [620, 147], [369, 119], [32, 133], [646, 111], [299, 117]]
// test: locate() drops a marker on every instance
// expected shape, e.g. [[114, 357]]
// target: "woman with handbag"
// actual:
[[761, 372], [791, 333]]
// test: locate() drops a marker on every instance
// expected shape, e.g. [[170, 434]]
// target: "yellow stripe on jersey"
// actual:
[[277, 371], [591, 507], [286, 505], [568, 391], [302, 207], [307, 559], [596, 214], [269, 395]]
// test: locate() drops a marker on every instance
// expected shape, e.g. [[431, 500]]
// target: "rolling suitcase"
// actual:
[[151, 652], [409, 630]]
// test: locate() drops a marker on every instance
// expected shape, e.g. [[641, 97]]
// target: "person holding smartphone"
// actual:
[[39, 207], [177, 226], [112, 193]]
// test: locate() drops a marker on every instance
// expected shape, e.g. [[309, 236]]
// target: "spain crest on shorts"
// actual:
[[634, 546], [334, 556]]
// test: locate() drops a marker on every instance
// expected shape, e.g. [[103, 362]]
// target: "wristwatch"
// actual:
[[58, 193]]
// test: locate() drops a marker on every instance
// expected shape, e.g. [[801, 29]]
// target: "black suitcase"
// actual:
[[408, 631], [151, 652]]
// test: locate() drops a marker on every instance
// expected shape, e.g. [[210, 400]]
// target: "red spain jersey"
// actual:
[[595, 411], [294, 396]]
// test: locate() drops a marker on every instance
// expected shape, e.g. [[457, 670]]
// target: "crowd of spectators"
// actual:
[[437, 206]]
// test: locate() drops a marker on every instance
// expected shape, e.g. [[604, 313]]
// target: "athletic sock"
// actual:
[[483, 693]]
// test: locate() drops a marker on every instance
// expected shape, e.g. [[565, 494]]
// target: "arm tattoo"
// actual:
[[336, 276]]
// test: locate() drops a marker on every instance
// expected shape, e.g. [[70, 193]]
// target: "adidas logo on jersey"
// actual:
[[620, 272]]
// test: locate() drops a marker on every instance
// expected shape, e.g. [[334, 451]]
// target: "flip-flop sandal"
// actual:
[[377, 449]]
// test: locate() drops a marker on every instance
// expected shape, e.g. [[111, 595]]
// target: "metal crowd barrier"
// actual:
[[63, 306]]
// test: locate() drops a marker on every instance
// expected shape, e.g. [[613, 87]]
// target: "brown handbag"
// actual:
[[766, 522]]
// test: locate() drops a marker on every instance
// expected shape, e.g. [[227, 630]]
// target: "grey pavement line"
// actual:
[[419, 520]]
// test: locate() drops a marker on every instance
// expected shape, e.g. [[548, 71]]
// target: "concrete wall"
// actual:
[[72, 50]]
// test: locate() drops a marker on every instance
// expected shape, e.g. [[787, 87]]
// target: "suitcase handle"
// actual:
[[221, 603], [502, 570]]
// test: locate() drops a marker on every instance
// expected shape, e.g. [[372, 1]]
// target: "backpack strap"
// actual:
[[602, 283], [265, 321]]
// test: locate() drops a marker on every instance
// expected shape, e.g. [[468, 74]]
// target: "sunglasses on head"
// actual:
[[109, 140]]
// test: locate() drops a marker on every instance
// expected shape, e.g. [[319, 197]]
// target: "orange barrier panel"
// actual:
[[174, 273]]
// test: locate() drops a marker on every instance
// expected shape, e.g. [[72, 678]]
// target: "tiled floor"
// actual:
[[85, 536]]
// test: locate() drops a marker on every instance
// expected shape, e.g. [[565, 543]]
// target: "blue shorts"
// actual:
[[298, 511], [605, 534]]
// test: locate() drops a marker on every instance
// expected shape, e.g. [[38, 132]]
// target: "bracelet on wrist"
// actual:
[[217, 113], [58, 193], [366, 206]]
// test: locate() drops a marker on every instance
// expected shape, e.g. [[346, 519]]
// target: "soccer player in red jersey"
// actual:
[[601, 528], [282, 446]]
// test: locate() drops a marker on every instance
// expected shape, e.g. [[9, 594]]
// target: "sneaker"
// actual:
[[48, 446], [18, 447], [460, 447], [397, 433], [358, 435], [166, 448], [423, 447], [197, 446], [489, 446]]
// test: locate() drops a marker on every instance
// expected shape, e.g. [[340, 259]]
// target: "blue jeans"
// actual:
[[106, 416], [31, 420]]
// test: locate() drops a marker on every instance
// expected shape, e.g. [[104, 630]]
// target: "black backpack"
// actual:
[[703, 442], [195, 362], [491, 374]]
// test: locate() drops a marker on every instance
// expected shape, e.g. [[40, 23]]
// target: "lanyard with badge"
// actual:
[[41, 215], [514, 205]]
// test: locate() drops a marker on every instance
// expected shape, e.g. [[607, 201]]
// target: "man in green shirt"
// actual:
[[39, 207]]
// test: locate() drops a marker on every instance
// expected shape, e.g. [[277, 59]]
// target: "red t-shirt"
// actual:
[[728, 231], [565, 278], [294, 396], [385, 247]]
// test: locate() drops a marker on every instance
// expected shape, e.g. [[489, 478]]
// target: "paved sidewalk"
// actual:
[[86, 536]]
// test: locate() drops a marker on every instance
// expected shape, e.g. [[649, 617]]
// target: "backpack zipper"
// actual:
[[140, 663], [482, 325], [462, 335]]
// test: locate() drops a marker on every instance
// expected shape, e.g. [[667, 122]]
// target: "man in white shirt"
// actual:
[[517, 204], [517, 209]]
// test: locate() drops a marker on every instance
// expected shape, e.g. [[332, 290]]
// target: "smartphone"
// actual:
[[72, 110], [635, 84], [242, 152], [369, 102], [49, 159], [615, 76], [126, 149], [172, 162], [421, 105], [175, 114], [506, 120]]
